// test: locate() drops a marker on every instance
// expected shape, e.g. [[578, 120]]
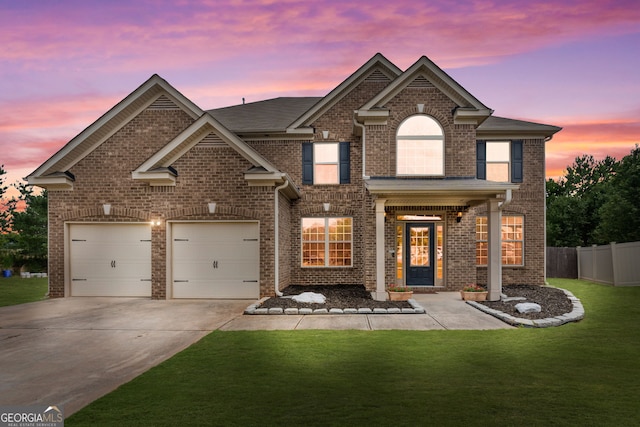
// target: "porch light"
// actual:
[[106, 208], [212, 207], [155, 223], [459, 217]]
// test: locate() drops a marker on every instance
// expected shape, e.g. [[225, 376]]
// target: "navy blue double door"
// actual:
[[419, 250]]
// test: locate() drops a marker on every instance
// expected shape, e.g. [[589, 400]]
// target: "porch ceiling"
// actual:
[[437, 192]]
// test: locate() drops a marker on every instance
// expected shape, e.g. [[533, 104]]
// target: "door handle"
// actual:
[[215, 264], [113, 264]]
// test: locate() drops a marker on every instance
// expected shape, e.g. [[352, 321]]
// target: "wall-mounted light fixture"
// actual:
[[155, 222], [325, 134], [459, 216], [326, 206], [212, 207], [106, 208]]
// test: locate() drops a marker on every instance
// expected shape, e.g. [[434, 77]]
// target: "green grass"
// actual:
[[14, 290], [585, 374]]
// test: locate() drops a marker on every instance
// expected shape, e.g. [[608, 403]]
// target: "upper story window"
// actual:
[[326, 163], [420, 147], [499, 161]]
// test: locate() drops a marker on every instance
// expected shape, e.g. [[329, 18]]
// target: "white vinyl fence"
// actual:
[[617, 264]]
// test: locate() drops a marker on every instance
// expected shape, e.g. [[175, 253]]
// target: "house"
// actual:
[[393, 177]]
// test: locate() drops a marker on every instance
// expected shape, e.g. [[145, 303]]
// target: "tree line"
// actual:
[[595, 202], [23, 228]]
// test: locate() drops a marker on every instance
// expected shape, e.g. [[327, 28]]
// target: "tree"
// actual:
[[620, 214], [574, 201], [29, 229], [3, 207]]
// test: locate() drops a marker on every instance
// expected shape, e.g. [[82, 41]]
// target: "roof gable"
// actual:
[[194, 134], [377, 67], [154, 92], [157, 170], [424, 73]]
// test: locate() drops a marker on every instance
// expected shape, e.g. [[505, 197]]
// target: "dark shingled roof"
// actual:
[[264, 116], [498, 124], [275, 115]]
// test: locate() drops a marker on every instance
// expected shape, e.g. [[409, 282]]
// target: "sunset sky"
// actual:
[[574, 64]]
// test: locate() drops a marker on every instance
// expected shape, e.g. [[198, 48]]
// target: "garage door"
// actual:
[[216, 260], [110, 260]]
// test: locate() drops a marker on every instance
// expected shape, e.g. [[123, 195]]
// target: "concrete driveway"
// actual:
[[71, 351]]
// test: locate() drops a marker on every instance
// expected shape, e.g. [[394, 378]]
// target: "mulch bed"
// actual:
[[553, 301], [337, 296]]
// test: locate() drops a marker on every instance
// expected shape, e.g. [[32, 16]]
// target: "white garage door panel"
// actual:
[[216, 260], [110, 260]]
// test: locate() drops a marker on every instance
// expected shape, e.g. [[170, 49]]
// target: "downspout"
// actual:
[[506, 200], [276, 220], [364, 148]]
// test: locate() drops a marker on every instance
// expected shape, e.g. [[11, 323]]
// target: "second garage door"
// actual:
[[216, 260]]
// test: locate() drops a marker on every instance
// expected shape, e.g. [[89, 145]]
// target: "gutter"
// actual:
[[276, 197], [364, 148]]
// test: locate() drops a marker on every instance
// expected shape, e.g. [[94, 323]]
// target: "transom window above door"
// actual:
[[420, 147]]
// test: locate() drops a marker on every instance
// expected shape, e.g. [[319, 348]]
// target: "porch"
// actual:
[[425, 213]]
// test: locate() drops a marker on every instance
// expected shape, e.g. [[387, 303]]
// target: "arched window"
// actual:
[[420, 147]]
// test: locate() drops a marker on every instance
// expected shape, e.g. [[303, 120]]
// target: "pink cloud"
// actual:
[[597, 138], [111, 38]]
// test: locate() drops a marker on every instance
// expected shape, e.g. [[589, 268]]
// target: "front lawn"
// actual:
[[585, 373], [14, 290]]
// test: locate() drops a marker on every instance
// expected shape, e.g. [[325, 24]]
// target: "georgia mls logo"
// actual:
[[31, 416]]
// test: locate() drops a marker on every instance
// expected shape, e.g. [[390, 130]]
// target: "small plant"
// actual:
[[473, 288], [398, 288]]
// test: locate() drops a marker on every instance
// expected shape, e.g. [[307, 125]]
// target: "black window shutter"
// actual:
[[307, 163], [481, 159], [345, 163], [516, 161]]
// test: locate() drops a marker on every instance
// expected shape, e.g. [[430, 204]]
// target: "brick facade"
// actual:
[[215, 173]]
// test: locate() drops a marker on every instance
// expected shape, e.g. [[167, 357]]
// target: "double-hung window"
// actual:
[[327, 242], [499, 161], [512, 239], [325, 163]]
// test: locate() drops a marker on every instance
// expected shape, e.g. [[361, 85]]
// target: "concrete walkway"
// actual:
[[71, 351], [444, 310]]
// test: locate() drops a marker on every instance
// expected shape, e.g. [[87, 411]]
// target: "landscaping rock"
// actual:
[[310, 298], [528, 307]]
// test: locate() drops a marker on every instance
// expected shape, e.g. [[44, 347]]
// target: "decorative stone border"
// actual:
[[255, 309], [576, 314]]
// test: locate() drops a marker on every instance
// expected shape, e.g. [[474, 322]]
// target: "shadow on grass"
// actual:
[[577, 374]]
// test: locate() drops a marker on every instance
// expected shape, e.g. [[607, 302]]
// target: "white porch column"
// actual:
[[380, 294], [494, 263]]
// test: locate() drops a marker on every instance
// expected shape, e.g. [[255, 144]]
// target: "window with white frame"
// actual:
[[512, 235], [420, 147], [326, 163], [498, 161], [327, 242]]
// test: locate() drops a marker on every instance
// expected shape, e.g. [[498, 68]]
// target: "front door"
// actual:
[[419, 258]]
